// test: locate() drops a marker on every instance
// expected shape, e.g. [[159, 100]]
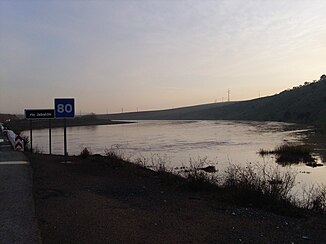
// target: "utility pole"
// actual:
[[229, 95]]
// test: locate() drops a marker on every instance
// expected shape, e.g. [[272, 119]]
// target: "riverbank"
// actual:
[[102, 200], [21, 125]]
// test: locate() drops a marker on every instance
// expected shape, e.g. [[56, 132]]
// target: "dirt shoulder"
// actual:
[[96, 200]]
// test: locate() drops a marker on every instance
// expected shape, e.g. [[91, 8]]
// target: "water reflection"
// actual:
[[222, 142]]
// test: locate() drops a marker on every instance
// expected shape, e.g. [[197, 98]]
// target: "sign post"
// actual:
[[31, 135], [65, 137], [38, 114], [50, 137], [64, 108]]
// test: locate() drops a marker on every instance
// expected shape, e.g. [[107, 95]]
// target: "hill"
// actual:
[[168, 114], [303, 104]]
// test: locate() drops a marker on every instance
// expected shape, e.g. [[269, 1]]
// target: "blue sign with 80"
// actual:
[[64, 107]]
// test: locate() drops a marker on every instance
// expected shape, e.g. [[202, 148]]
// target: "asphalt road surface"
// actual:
[[18, 223]]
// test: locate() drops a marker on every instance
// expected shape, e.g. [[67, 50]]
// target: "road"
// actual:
[[18, 223]]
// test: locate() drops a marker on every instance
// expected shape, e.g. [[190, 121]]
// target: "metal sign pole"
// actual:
[[64, 108], [50, 147], [65, 137], [31, 135], [31, 114]]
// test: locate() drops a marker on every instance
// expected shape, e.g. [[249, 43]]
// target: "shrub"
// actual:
[[290, 154], [159, 163], [259, 184], [141, 161], [85, 153], [199, 179], [114, 154], [314, 198]]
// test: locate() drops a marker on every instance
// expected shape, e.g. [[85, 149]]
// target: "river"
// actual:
[[177, 143]]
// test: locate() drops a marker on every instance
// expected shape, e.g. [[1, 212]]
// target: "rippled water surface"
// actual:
[[222, 142]]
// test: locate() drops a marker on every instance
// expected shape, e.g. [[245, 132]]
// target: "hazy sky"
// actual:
[[153, 54]]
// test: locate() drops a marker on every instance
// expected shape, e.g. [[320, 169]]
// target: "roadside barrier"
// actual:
[[15, 140], [19, 143], [3, 129]]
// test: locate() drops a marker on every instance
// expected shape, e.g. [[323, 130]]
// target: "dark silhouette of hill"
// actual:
[[184, 113], [303, 104]]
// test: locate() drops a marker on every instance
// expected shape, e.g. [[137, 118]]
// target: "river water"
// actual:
[[178, 142]]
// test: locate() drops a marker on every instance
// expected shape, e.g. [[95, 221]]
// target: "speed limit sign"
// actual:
[[64, 107]]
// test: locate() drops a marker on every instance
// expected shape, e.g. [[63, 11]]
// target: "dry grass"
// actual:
[[114, 153], [197, 178], [314, 198], [262, 186]]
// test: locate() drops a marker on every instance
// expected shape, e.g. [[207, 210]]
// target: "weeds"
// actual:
[[155, 162], [290, 154], [197, 178], [260, 184], [141, 161], [85, 153], [114, 153], [160, 163], [314, 198]]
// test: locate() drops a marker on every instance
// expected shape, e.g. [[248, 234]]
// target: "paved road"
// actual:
[[18, 223]]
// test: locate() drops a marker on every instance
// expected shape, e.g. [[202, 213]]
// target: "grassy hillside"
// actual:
[[176, 113], [303, 104]]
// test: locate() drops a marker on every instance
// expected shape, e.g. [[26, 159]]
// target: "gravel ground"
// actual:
[[98, 201]]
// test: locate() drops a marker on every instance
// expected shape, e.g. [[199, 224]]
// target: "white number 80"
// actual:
[[61, 108]]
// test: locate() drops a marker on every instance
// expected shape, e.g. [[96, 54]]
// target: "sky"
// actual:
[[142, 55]]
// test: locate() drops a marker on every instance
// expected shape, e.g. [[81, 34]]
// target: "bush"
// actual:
[[259, 184], [159, 163], [197, 178], [314, 198], [290, 154], [85, 153], [114, 154]]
